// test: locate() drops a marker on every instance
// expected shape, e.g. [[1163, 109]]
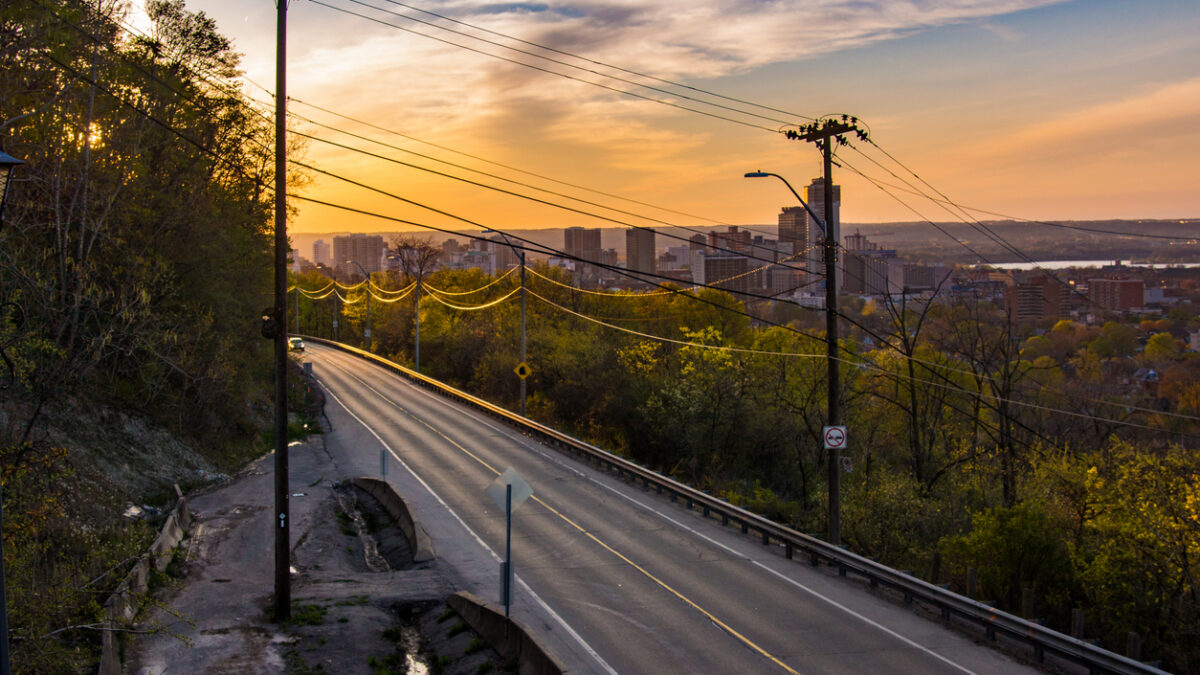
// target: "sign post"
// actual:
[[835, 442], [508, 491]]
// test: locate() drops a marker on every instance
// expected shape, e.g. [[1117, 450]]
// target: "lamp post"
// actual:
[[337, 308], [367, 278], [829, 228], [8, 164], [520, 253]]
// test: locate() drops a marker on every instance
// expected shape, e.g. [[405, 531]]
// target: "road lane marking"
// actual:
[[537, 598], [816, 594], [665, 586], [557, 460]]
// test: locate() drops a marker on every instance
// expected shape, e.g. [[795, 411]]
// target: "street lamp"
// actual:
[[8, 164], [367, 277], [831, 344], [522, 367]]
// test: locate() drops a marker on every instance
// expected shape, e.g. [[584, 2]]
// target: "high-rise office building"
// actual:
[[1117, 294], [814, 194], [730, 242], [582, 243], [364, 249], [639, 250], [727, 272], [793, 228], [504, 254], [321, 253]]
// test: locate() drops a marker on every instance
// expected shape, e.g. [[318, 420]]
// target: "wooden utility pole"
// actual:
[[824, 134], [283, 582]]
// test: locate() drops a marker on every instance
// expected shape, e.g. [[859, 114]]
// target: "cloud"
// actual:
[[1166, 111], [685, 38]]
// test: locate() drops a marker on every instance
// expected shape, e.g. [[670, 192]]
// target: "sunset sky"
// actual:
[[1031, 108]]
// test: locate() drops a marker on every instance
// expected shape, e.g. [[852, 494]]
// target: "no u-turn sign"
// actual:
[[835, 438]]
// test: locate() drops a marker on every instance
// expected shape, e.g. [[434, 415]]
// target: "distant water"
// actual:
[[1064, 264]]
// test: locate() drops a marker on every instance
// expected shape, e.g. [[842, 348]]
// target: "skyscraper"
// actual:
[[793, 228], [321, 253], [639, 250], [364, 249], [814, 194], [582, 243]]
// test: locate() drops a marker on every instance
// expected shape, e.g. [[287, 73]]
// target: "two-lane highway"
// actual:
[[613, 578]]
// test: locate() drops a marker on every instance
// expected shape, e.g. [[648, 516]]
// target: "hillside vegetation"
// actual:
[[1042, 456], [135, 257]]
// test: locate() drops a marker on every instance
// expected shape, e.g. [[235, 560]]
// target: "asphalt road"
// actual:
[[613, 578]]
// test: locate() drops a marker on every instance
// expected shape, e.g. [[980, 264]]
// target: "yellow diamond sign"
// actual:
[[523, 370]]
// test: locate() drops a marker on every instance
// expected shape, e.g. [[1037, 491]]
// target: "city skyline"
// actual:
[[1022, 107]]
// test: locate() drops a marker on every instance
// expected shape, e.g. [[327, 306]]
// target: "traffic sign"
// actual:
[[835, 438], [523, 370], [520, 489], [509, 490]]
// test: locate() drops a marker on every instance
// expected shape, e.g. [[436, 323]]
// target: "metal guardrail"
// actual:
[[993, 621]]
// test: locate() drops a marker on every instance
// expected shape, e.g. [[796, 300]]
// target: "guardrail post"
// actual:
[[1133, 646], [1077, 623], [1039, 652], [745, 527], [706, 510], [787, 550], [766, 538], [724, 518]]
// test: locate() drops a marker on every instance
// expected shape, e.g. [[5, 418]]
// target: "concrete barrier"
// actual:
[[422, 545], [123, 605], [507, 637]]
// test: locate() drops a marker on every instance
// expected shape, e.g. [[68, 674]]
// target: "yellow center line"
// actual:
[[726, 627]]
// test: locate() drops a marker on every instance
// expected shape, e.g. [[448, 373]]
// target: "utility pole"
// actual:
[[283, 587], [417, 323], [825, 134]]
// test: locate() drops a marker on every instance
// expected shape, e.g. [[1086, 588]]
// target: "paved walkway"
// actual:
[[216, 618]]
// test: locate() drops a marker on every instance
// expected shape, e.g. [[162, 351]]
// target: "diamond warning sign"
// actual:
[[523, 370]]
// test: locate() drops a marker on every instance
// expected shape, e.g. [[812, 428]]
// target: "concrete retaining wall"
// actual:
[[123, 605], [422, 545], [514, 644]]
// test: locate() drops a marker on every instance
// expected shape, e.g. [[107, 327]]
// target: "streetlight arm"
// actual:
[[366, 274], [763, 174]]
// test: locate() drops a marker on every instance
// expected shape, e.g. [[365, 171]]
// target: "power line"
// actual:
[[548, 71], [203, 148], [623, 80], [502, 191], [505, 166], [601, 63]]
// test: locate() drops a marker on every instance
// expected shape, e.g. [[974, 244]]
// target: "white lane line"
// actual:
[[523, 441], [542, 603], [590, 535]]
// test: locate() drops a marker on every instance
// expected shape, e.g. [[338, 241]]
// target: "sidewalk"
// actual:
[[216, 618]]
